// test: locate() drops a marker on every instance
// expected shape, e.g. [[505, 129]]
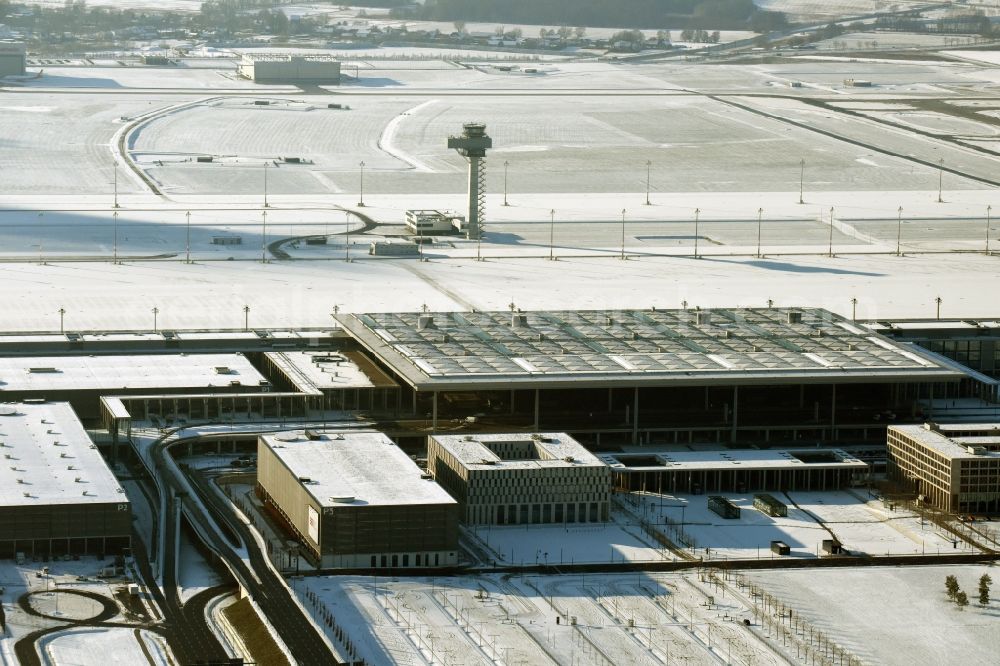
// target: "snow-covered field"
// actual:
[[894, 616], [589, 619]]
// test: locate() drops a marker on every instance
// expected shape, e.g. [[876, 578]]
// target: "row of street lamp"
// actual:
[[506, 165], [336, 309]]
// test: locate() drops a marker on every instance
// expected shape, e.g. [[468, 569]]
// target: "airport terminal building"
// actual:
[[778, 377]]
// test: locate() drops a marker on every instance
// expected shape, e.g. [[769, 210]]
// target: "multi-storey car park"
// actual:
[[356, 500], [57, 495], [776, 376]]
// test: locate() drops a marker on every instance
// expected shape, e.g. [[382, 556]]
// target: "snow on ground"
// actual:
[[105, 647], [194, 574], [568, 544], [617, 619], [294, 294], [894, 616], [19, 579], [872, 527], [987, 57], [861, 526]]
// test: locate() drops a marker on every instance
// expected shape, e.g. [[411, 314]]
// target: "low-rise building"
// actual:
[[356, 500], [954, 467], [287, 68], [57, 495], [517, 479], [735, 470]]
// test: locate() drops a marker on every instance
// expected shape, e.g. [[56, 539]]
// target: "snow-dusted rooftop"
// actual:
[[49, 459], [327, 370], [105, 372], [564, 348], [362, 468], [732, 459], [953, 440], [540, 450]]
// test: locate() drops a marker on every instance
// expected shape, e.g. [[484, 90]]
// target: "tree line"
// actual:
[[703, 14]]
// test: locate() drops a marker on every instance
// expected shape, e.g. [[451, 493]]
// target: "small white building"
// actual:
[[424, 222], [289, 68], [517, 479]]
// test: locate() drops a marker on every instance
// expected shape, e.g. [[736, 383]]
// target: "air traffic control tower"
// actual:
[[473, 144]]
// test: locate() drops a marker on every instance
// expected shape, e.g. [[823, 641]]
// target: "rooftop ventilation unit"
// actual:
[[794, 317], [703, 318], [518, 320], [424, 322]]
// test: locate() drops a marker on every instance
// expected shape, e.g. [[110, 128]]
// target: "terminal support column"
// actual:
[[536, 409], [736, 403], [635, 415]]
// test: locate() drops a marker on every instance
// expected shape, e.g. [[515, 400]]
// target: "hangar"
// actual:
[[289, 68]]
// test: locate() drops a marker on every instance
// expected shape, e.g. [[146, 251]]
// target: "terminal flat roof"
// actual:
[[474, 452], [311, 370], [953, 439], [363, 466], [51, 459], [744, 459], [115, 373], [555, 349]]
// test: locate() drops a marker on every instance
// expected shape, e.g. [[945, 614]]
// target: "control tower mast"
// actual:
[[473, 144]]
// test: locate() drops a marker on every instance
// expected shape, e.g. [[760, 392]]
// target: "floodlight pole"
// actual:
[[263, 238], [623, 234], [347, 237], [116, 184], [155, 312], [115, 244], [361, 198], [505, 165], [62, 320], [938, 302], [830, 253], [760, 214], [246, 317], [552, 230], [266, 204], [989, 209], [802, 175], [899, 229], [187, 247], [697, 214], [649, 165], [854, 309], [940, 178]]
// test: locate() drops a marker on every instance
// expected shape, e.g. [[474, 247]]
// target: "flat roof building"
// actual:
[[356, 500], [83, 379], [289, 68], [740, 470], [346, 380], [746, 374], [955, 467], [57, 495], [519, 479]]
